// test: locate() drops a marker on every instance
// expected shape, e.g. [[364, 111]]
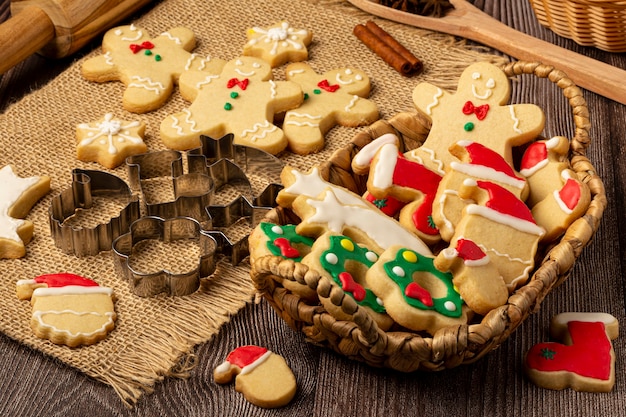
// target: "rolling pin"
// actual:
[[57, 28]]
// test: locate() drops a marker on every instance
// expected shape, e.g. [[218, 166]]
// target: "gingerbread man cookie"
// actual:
[[476, 112], [584, 361], [557, 196], [148, 67], [17, 196], [475, 162], [336, 97], [241, 99], [262, 376], [68, 309], [278, 43], [109, 141]]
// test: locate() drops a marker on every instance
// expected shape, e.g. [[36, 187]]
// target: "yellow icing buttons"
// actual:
[[409, 256], [347, 245]]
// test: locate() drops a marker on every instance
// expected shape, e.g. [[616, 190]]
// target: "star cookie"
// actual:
[[17, 196], [109, 141], [278, 43]]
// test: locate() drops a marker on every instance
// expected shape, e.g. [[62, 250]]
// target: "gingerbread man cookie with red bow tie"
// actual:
[[242, 99], [478, 111], [149, 67], [337, 97]]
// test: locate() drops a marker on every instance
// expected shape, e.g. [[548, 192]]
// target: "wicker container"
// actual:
[[353, 333], [599, 23]]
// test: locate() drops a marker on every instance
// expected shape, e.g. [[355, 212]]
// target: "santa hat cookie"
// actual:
[[68, 309], [263, 377], [585, 361]]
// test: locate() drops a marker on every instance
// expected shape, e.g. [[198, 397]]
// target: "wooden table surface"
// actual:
[[32, 384]]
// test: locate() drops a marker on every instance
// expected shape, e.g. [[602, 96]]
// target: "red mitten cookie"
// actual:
[[263, 377], [585, 361]]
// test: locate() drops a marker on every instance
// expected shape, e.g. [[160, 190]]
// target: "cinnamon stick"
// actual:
[[388, 48]]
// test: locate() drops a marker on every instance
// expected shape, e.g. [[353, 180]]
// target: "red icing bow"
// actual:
[[479, 111], [243, 84], [138, 47], [324, 85]]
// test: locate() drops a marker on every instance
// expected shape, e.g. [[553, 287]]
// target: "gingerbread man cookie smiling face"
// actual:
[[241, 99], [476, 112]]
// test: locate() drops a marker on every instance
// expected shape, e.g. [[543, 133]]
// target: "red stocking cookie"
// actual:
[[585, 361], [263, 377], [336, 97], [557, 197], [242, 99], [148, 67], [476, 112]]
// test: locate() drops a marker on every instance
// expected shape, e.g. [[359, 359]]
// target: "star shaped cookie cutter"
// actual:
[[148, 284], [86, 184]]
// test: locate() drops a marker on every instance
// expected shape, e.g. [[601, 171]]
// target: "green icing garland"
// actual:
[[282, 238]]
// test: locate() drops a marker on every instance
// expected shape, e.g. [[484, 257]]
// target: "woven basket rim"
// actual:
[[361, 339]]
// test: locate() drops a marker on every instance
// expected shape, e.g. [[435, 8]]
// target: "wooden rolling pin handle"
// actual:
[[24, 34]]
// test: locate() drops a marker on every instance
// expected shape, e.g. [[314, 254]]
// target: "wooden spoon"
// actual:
[[469, 22]]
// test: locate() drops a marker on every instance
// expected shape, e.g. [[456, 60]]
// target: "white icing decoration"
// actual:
[[136, 38], [487, 173], [147, 83], [355, 98], [379, 227], [435, 102], [282, 36], [71, 290], [449, 305], [344, 82], [12, 188], [332, 259], [207, 80], [476, 75], [245, 74], [188, 120], [311, 185], [272, 89], [431, 154], [304, 116], [108, 59], [277, 230], [371, 256], [515, 120], [564, 318], [249, 368], [38, 315], [294, 72], [397, 270], [176, 40], [506, 219], [527, 172], [366, 154], [264, 128], [384, 169], [109, 130]]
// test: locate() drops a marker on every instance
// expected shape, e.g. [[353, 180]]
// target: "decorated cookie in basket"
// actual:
[[345, 263], [149, 67], [68, 309], [336, 97], [557, 196], [477, 111], [241, 99], [17, 196]]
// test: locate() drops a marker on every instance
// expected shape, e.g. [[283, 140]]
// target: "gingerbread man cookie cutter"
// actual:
[[148, 284], [87, 184]]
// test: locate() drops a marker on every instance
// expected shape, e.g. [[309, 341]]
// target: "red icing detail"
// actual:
[[243, 84], [63, 279], [245, 355], [392, 205], [589, 355], [138, 47], [570, 193], [417, 292], [481, 155], [468, 250], [414, 175], [348, 284], [324, 85], [286, 249], [479, 111], [505, 202], [534, 154]]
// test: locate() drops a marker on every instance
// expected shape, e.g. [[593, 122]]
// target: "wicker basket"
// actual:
[[599, 23], [355, 334]]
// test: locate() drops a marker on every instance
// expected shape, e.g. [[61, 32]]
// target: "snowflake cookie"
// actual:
[[17, 196], [148, 67], [109, 141], [278, 43], [242, 99]]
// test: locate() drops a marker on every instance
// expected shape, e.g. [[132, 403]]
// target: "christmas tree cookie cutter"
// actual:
[[87, 184], [149, 284]]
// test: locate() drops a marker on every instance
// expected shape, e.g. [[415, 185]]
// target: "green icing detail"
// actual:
[[289, 233], [547, 353], [234, 94], [424, 264], [380, 203], [469, 126], [344, 255], [431, 222], [157, 58], [317, 91]]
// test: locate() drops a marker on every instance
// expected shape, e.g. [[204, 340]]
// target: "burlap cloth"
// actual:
[[155, 337]]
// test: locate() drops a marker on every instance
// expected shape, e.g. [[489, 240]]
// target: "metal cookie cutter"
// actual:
[[193, 191], [87, 184], [163, 281]]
